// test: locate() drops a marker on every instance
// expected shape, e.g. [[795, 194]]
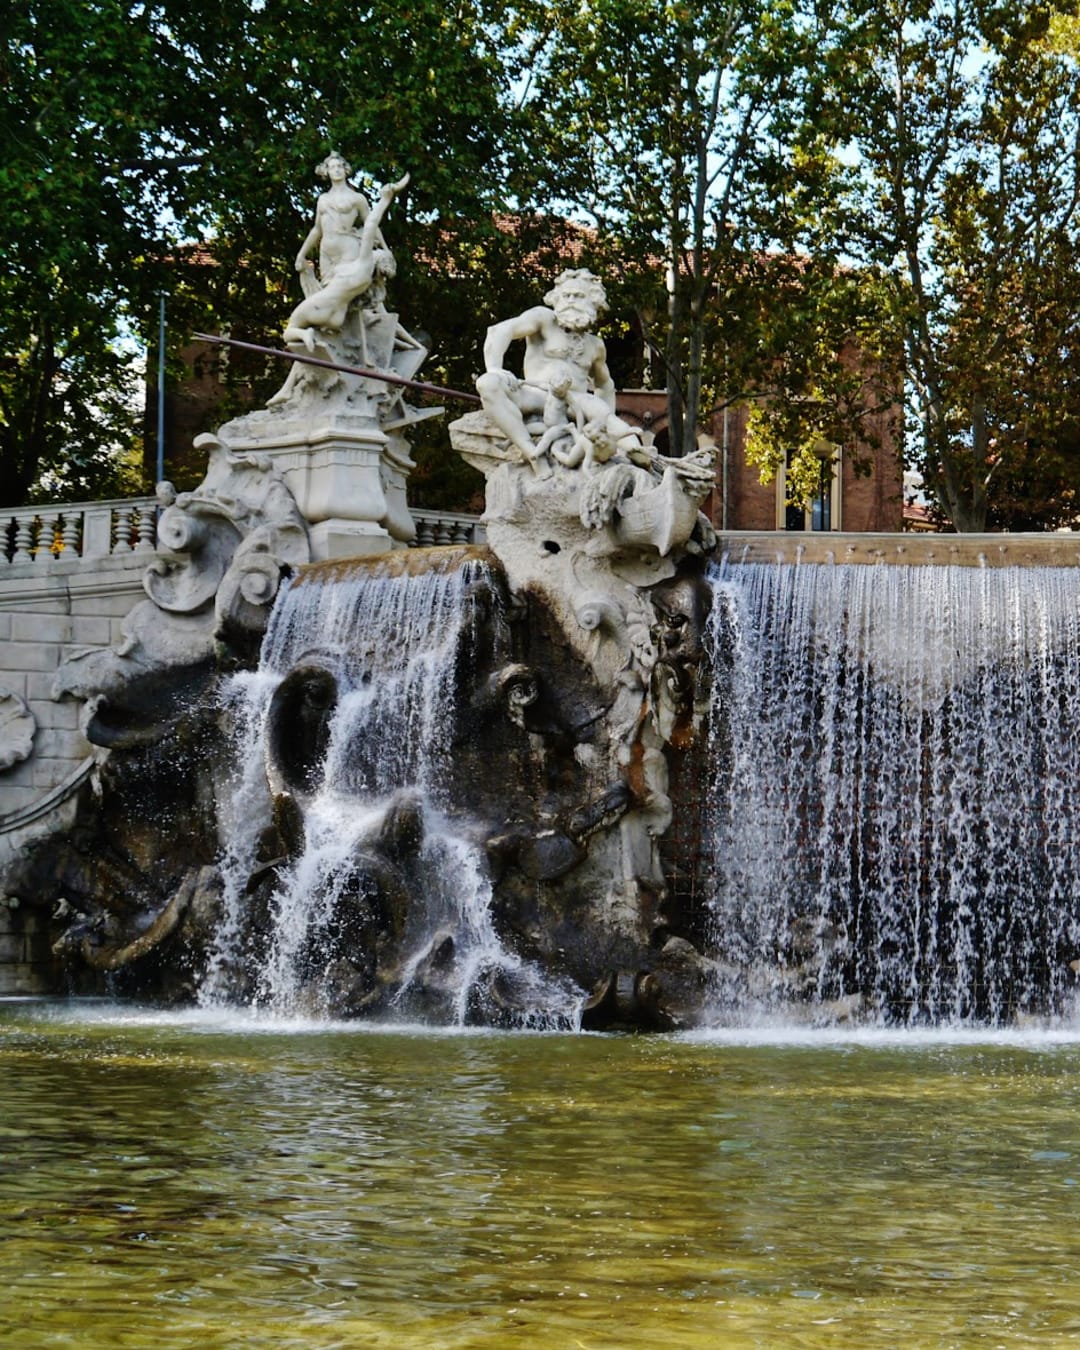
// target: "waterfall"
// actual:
[[243, 813], [389, 855], [895, 754]]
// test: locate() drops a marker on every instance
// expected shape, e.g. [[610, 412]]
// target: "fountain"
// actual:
[[582, 777], [893, 805], [353, 779], [381, 900]]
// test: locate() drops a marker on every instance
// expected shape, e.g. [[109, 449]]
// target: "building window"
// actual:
[[823, 513]]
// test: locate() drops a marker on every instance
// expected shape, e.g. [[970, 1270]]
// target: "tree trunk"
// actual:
[[980, 440], [673, 360]]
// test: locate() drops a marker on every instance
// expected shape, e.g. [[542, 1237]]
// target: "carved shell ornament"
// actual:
[[17, 727]]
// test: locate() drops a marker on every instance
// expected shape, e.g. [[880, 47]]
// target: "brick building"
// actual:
[[870, 501]]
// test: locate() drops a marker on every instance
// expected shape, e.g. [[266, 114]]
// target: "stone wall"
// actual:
[[47, 612], [69, 575], [26, 962], [904, 550]]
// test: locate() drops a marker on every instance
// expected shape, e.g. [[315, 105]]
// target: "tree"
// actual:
[[134, 130], [833, 371], [75, 221], [960, 123], [672, 128]]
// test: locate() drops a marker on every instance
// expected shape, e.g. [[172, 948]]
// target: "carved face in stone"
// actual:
[[335, 167], [681, 608], [576, 300]]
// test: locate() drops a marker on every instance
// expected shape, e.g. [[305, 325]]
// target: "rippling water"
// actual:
[[185, 1181]]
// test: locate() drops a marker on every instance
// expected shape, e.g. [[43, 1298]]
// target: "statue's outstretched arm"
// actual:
[[368, 236]]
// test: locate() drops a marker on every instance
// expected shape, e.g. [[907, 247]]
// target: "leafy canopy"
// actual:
[[131, 130], [792, 202], [962, 121]]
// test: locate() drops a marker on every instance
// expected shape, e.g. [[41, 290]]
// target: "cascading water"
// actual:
[[355, 709], [245, 700], [896, 752]]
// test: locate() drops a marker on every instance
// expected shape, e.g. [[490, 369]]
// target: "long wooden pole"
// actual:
[[383, 375]]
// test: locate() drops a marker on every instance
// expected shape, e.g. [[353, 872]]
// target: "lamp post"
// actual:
[[161, 391]]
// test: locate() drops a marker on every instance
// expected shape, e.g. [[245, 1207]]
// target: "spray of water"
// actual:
[[243, 812], [400, 649]]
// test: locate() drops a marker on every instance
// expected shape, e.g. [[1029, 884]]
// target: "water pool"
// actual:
[[192, 1181]]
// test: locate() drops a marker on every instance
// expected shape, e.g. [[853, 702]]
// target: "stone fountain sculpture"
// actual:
[[338, 439], [564, 735], [604, 537], [319, 473]]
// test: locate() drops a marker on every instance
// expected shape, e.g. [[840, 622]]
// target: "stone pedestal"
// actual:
[[349, 485], [337, 439]]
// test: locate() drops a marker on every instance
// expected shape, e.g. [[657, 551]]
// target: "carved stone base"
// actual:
[[338, 438], [349, 539], [348, 481], [334, 474]]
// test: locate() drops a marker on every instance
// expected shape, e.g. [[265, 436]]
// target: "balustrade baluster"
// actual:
[[122, 538], [147, 530], [49, 537], [71, 532], [24, 539]]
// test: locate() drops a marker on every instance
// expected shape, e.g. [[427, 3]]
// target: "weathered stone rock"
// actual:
[[17, 727]]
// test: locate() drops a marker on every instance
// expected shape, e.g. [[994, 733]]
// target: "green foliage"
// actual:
[[847, 200], [961, 120], [673, 127], [799, 204], [74, 222], [130, 130], [817, 366]]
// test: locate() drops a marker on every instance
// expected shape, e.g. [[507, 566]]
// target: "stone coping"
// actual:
[[32, 583], [396, 562], [913, 550]]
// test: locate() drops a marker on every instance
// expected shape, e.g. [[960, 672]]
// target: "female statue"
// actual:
[[335, 231], [349, 260]]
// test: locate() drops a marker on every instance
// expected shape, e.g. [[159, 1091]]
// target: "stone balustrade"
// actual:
[[445, 527], [77, 531], [88, 531]]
